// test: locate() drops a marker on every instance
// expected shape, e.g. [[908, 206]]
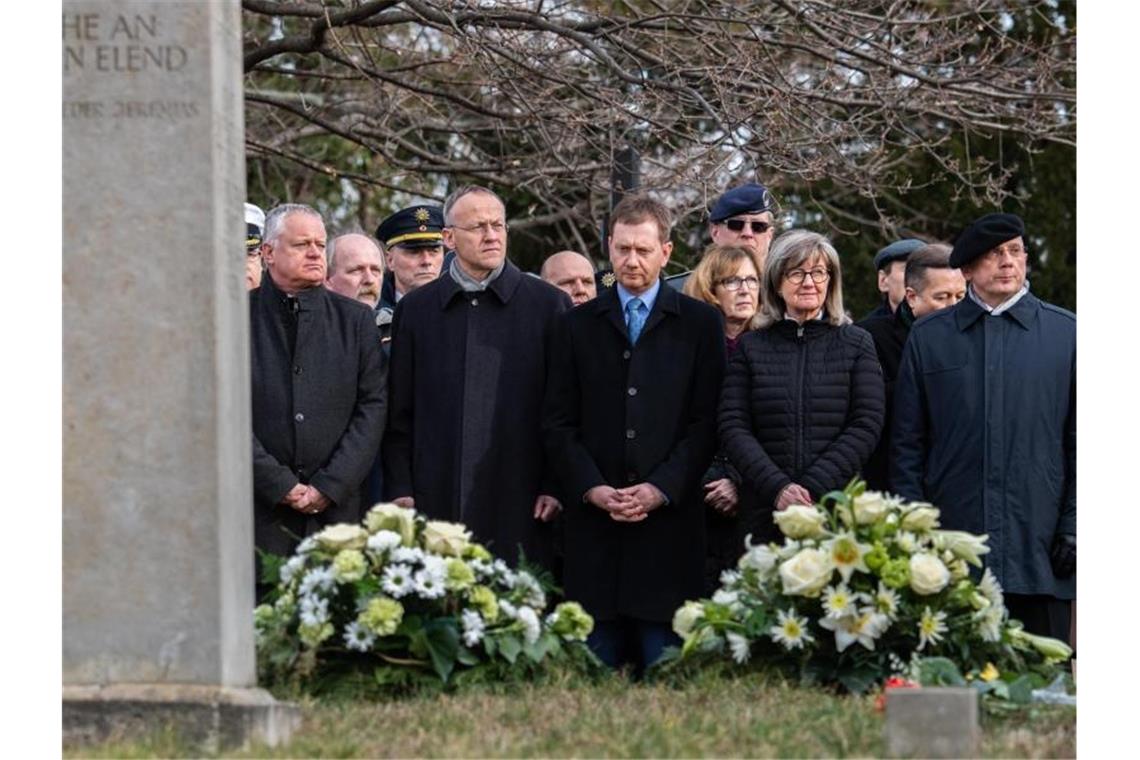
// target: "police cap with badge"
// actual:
[[412, 227], [254, 227]]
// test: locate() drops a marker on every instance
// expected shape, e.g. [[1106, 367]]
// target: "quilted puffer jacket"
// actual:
[[801, 404]]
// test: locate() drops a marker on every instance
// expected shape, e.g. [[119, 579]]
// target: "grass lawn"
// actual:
[[713, 717]]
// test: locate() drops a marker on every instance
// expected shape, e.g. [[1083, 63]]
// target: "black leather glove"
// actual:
[[1063, 555]]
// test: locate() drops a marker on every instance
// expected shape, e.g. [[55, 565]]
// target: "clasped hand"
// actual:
[[631, 504], [306, 499]]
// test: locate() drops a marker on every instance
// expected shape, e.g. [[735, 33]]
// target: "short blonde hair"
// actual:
[[788, 251], [717, 262]]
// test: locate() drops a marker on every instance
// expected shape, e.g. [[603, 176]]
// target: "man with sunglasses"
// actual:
[[985, 423], [743, 217]]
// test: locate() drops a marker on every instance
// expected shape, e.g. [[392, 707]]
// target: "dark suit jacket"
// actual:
[[618, 414], [318, 408], [467, 380]]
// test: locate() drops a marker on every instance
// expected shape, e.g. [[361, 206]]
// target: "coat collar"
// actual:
[[306, 299], [1023, 313], [668, 301], [503, 286]]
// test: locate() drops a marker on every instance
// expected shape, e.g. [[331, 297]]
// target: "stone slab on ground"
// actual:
[[932, 722]]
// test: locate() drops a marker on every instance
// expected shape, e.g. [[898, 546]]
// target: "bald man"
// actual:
[[572, 273], [356, 268]]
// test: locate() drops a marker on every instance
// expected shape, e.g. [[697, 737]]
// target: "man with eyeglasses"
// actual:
[[985, 423], [468, 372], [743, 217]]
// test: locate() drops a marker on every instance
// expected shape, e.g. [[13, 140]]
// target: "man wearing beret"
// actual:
[[467, 377], [743, 217], [890, 263], [985, 423], [413, 254]]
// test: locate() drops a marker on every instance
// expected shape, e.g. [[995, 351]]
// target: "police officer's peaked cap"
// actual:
[[984, 234], [254, 226], [745, 199], [897, 251], [412, 227]]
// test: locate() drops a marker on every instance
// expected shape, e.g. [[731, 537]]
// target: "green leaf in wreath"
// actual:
[[509, 647], [442, 639], [1021, 690], [467, 657], [939, 671]]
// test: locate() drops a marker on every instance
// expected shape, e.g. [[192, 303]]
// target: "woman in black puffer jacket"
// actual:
[[802, 405]]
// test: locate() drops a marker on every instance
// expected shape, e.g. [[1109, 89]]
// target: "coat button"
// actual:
[[632, 391], [625, 354], [631, 477], [631, 434], [299, 417], [297, 370], [474, 301]]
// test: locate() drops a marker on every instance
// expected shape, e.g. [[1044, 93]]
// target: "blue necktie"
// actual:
[[635, 318]]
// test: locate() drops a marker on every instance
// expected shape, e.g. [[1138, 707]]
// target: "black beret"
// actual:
[[897, 251], [984, 234], [746, 199], [412, 227]]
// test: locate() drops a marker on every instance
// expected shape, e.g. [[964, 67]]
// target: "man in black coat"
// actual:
[[890, 264], [467, 379], [318, 385], [985, 423], [630, 425], [931, 284]]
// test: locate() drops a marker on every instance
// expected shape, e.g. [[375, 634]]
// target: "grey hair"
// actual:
[[452, 199], [788, 251], [276, 218]]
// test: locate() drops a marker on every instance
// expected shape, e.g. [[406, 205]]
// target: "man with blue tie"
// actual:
[[630, 426]]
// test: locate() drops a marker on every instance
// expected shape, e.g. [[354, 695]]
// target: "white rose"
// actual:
[[686, 617], [341, 536], [446, 538], [921, 517], [800, 521], [927, 574], [870, 507], [806, 573], [392, 517]]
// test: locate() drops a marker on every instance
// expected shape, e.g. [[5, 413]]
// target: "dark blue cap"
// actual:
[[984, 234], [412, 227], [745, 199], [897, 251]]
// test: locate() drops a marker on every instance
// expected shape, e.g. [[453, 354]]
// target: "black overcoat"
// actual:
[[318, 409], [889, 333], [468, 371], [985, 429], [801, 404], [618, 415]]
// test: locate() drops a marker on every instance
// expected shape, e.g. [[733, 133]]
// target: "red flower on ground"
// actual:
[[894, 682]]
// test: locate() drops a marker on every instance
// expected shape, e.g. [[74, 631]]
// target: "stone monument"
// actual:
[[157, 496], [933, 722]]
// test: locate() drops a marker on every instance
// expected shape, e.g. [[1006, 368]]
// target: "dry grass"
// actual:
[[615, 719]]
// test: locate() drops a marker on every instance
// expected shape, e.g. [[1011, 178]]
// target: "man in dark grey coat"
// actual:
[[630, 425], [318, 388], [467, 379], [985, 423]]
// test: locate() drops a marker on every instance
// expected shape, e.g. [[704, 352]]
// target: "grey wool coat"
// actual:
[[468, 371], [318, 408], [985, 429]]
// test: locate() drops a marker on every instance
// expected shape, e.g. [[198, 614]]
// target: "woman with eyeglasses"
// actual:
[[802, 404], [726, 278]]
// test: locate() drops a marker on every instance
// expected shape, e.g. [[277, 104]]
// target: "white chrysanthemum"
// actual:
[[886, 601], [290, 569], [739, 646], [505, 575], [357, 637], [838, 601], [397, 581], [509, 610], [384, 540], [533, 594], [531, 625], [790, 630], [990, 623], [725, 597], [472, 627], [435, 565], [847, 554], [428, 584], [930, 628], [482, 569], [729, 577], [314, 611], [411, 555], [317, 579], [307, 545], [991, 589]]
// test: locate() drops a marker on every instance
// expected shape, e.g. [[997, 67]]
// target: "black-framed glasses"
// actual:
[[737, 225], [735, 283], [797, 276]]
